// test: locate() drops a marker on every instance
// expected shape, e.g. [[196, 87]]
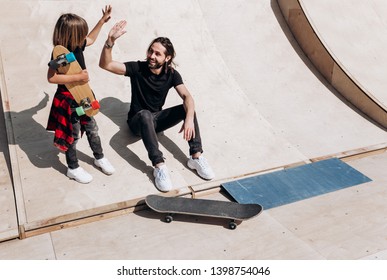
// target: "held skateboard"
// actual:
[[203, 207], [65, 63]]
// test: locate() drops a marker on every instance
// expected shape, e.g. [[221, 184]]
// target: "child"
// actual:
[[71, 31]]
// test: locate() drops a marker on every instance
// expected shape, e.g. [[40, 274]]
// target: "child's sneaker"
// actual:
[[162, 179], [202, 167], [105, 166], [80, 175]]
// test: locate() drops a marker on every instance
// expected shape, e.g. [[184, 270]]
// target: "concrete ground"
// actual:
[[262, 105]]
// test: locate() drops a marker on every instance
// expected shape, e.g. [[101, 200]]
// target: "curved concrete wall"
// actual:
[[312, 43]]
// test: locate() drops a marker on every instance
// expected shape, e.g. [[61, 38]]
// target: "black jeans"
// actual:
[[147, 125], [91, 130]]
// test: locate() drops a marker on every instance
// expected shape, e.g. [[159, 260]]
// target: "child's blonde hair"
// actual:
[[70, 31]]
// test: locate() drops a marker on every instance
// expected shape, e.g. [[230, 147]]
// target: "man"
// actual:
[[150, 83]]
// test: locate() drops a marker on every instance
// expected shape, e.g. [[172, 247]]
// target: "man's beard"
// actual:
[[156, 65]]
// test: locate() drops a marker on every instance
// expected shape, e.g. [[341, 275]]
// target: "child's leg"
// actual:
[[74, 171], [100, 161], [71, 153], [91, 129]]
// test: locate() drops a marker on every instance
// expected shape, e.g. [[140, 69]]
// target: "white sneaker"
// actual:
[[105, 166], [162, 179], [80, 175], [202, 167]]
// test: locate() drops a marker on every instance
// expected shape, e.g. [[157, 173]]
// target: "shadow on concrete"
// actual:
[[36, 142], [3, 138], [117, 111]]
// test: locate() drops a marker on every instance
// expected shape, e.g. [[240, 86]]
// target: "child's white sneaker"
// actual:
[[202, 167], [105, 166], [80, 175], [162, 179]]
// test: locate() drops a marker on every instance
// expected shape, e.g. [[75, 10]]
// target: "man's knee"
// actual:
[[145, 117]]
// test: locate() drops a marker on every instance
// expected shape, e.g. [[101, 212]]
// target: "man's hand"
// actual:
[[117, 31], [188, 129]]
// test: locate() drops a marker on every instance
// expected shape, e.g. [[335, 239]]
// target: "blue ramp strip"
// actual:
[[294, 184]]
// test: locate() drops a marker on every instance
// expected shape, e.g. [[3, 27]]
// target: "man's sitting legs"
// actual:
[[147, 124]]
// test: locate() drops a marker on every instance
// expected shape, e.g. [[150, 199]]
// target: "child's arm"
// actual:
[[54, 78], [92, 36]]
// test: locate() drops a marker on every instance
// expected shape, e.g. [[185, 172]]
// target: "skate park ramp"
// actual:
[[344, 50], [262, 105]]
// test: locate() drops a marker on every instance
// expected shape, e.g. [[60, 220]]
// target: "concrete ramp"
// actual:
[[346, 42], [279, 79], [261, 104], [8, 216]]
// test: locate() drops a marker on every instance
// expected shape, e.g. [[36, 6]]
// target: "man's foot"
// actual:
[[162, 179], [80, 175], [202, 167], [105, 166]]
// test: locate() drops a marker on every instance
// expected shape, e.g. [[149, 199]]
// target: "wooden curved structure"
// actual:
[[312, 43]]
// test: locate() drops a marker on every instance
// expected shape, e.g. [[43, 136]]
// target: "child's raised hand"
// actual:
[[106, 13]]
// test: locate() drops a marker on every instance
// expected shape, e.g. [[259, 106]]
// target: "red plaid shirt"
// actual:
[[59, 119]]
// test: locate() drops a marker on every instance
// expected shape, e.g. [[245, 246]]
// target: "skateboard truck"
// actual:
[[231, 225], [85, 105], [62, 60]]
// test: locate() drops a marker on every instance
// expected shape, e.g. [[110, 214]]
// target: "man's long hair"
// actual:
[[169, 51]]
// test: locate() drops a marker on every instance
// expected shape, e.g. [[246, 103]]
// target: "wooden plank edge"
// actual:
[[15, 170], [10, 234], [354, 154], [90, 215], [329, 66], [81, 221]]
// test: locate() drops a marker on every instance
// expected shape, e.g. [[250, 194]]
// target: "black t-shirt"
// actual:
[[78, 52], [149, 91]]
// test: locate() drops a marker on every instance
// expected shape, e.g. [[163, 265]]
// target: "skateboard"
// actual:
[[65, 63], [203, 207]]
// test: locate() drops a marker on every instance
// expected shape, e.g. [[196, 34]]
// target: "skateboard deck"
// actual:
[[65, 63], [203, 207]]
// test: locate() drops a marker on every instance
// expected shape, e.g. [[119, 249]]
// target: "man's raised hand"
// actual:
[[117, 30]]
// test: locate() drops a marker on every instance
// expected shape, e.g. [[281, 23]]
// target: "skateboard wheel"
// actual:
[[168, 218], [232, 225], [62, 60], [95, 105], [80, 111], [70, 57]]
